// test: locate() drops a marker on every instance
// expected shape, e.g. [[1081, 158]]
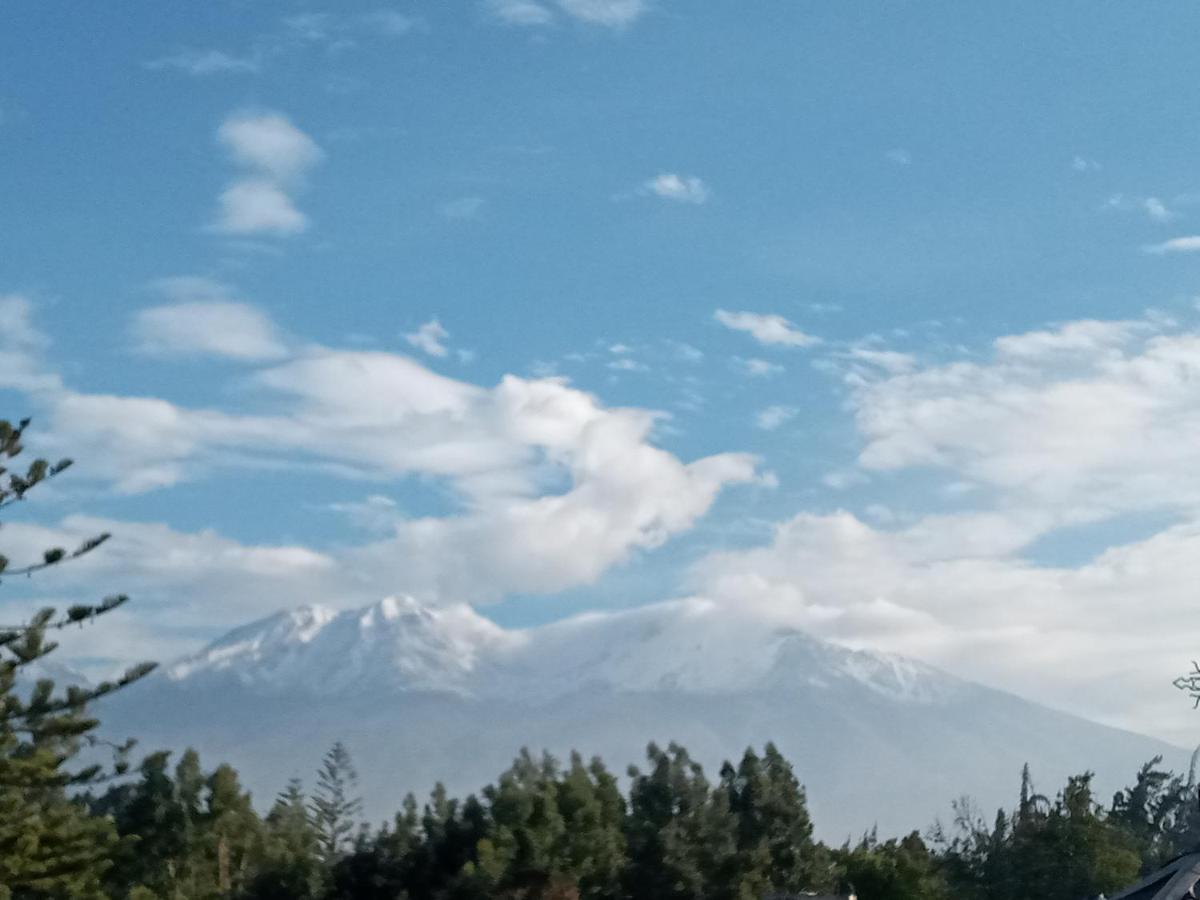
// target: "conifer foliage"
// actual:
[[335, 805], [49, 846]]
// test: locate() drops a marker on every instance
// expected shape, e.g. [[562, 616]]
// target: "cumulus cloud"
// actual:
[[679, 188], [269, 144], [766, 328], [204, 319], [549, 487], [1090, 417], [275, 156]]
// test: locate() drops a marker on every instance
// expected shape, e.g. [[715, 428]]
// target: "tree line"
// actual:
[[549, 831], [171, 830]]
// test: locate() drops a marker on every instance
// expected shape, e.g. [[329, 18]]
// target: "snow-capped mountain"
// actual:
[[424, 694], [686, 646]]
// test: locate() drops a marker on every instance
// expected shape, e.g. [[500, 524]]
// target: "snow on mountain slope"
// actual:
[[395, 644], [689, 646], [423, 695]]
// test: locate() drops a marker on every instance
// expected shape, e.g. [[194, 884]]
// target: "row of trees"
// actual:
[[545, 831]]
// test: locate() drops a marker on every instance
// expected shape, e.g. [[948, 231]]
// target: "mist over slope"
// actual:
[[421, 695]]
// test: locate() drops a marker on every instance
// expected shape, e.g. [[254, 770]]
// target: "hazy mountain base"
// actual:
[[866, 759]]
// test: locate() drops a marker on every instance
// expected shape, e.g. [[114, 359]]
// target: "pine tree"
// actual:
[[335, 806], [291, 868], [230, 835], [49, 844]]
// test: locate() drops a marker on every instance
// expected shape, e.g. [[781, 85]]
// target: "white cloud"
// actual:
[[204, 319], [183, 583], [276, 155], [551, 488], [765, 328], [899, 156], [256, 206], [429, 338], [680, 188], [269, 144], [1187, 244], [206, 62], [950, 590], [1084, 164], [1088, 418], [772, 417], [21, 346]]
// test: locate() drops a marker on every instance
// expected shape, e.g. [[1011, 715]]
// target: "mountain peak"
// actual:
[[690, 646]]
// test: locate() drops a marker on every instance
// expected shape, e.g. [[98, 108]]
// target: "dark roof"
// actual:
[[1177, 880]]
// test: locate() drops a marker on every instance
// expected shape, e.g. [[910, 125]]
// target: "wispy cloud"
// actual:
[[206, 62], [610, 13], [766, 328], [757, 368], [520, 12], [1186, 244], [1153, 207], [772, 417], [898, 156], [338, 32], [430, 338], [275, 155], [604, 13], [1084, 164]]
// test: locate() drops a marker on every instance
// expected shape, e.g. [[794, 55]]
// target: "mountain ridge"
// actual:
[[423, 695]]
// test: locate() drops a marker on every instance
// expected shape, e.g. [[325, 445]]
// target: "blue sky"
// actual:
[[878, 318]]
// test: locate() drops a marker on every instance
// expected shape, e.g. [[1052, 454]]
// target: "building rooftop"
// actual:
[[1177, 880]]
